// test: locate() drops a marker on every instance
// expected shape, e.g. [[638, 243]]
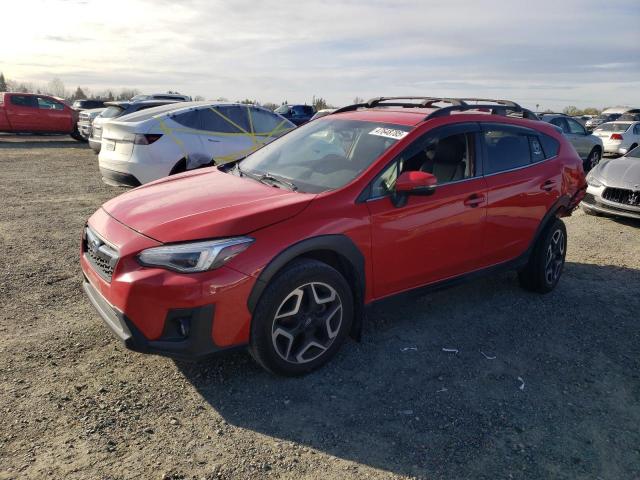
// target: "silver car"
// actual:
[[588, 146], [614, 187]]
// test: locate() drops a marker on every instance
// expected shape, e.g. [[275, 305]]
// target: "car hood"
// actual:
[[204, 204], [620, 172]]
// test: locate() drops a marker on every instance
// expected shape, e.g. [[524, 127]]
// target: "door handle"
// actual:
[[474, 200], [548, 185], [213, 140]]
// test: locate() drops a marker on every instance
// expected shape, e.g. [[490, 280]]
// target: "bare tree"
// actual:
[[56, 88], [3, 83], [358, 100]]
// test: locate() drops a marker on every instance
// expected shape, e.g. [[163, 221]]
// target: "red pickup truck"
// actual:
[[34, 113]]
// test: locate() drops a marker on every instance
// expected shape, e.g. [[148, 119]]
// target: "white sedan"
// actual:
[[150, 144], [619, 137]]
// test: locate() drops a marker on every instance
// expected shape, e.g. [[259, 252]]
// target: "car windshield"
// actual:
[[613, 127], [325, 154]]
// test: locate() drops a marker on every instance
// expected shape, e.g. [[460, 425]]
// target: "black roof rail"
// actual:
[[497, 107]]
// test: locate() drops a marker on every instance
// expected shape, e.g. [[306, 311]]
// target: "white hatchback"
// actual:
[[150, 144], [619, 137]]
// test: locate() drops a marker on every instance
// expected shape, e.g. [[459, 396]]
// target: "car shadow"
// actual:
[[26, 141], [481, 378]]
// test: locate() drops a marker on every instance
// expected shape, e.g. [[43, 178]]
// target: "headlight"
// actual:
[[195, 257], [593, 181]]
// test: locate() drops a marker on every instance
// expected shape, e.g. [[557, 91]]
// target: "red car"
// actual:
[[35, 113], [282, 251]]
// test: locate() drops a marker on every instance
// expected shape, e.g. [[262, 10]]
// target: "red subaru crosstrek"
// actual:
[[281, 251]]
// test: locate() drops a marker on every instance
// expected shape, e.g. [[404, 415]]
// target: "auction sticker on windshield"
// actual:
[[388, 132]]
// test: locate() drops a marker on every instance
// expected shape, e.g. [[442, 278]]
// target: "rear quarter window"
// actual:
[[550, 145]]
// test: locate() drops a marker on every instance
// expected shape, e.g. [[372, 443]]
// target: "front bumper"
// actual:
[[95, 145], [186, 335], [593, 201], [159, 311]]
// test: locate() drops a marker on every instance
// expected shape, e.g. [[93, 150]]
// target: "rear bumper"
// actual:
[[186, 335], [118, 179]]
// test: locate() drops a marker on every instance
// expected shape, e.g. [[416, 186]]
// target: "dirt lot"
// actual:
[[561, 398]]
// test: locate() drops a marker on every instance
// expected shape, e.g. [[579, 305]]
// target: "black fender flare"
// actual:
[[339, 244]]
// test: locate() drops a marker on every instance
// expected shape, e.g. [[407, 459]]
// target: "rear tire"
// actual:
[[544, 268], [179, 167], [302, 318], [593, 159]]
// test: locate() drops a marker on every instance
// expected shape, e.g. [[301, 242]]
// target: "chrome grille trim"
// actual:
[[102, 256]]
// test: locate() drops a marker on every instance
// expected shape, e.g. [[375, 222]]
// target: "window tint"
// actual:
[[550, 145], [506, 149], [636, 129], [24, 100], [190, 119], [48, 104], [265, 122], [575, 127]]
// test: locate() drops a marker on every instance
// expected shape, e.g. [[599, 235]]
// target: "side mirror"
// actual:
[[413, 183]]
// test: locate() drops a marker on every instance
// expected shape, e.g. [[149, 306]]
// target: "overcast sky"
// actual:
[[553, 53]]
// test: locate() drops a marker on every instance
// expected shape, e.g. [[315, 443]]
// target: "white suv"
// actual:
[[151, 144]]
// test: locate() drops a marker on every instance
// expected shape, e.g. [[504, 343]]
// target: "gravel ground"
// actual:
[[540, 386]]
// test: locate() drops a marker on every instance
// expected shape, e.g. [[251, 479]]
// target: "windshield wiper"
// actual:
[[270, 178], [267, 177]]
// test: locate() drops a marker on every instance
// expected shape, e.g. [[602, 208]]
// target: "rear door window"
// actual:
[[507, 148], [216, 120]]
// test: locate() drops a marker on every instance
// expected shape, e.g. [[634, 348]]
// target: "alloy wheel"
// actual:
[[307, 322], [555, 257], [594, 159]]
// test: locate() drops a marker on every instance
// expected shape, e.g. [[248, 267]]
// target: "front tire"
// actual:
[[544, 268], [302, 318]]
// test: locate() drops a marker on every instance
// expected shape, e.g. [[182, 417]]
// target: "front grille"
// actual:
[[622, 195], [102, 257]]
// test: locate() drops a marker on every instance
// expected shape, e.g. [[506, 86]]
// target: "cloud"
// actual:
[[547, 51]]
